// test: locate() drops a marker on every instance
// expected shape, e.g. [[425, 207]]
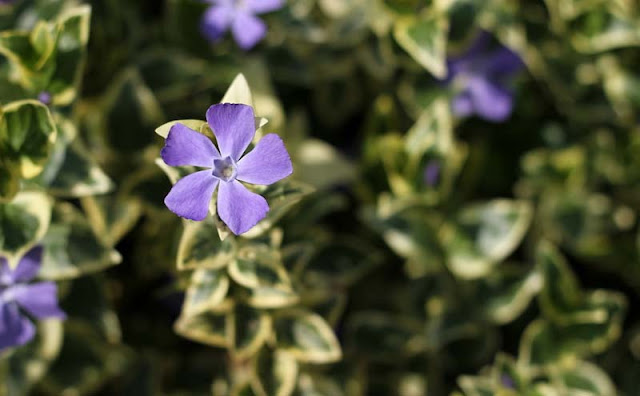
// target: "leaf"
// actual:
[[9, 179], [485, 234], [111, 218], [321, 165], [71, 249], [506, 293], [27, 133], [271, 297], [238, 92], [281, 197], [306, 336], [276, 373], [86, 362], [207, 327], [164, 129], [248, 331], [23, 223], [79, 175], [424, 38], [70, 54], [207, 290], [433, 132], [201, 247], [561, 292], [382, 337], [259, 266], [37, 355], [588, 379]]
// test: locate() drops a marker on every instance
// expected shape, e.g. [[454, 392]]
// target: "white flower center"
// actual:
[[225, 169]]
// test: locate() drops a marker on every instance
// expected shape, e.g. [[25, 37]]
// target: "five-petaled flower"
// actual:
[[480, 76], [38, 300], [234, 128], [240, 17]]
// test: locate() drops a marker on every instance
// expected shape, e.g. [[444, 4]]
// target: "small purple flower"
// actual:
[[481, 74], [38, 300], [44, 97], [507, 382], [431, 174], [240, 17], [234, 128]]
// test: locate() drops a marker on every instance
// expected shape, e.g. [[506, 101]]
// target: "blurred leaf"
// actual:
[[384, 337], [79, 175], [27, 133], [111, 218], [9, 180], [321, 165], [259, 266], [433, 132], [424, 38], [238, 92], [306, 336], [208, 327], [485, 234], [37, 355], [71, 247], [207, 289], [587, 379], [85, 363], [23, 223], [248, 330], [201, 247], [275, 373]]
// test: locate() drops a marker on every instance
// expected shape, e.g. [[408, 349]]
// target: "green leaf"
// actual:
[[271, 297], [201, 247], [424, 37], [9, 179], [259, 266], [111, 218], [27, 133], [207, 290], [485, 234], [588, 379], [321, 165], [561, 292], [248, 330], [86, 362], [79, 176], [208, 327], [37, 355], [281, 197], [276, 373], [31, 69], [23, 223], [385, 338], [433, 132], [73, 35], [71, 247], [306, 336]]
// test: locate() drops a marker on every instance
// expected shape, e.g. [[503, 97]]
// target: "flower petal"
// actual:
[[39, 299], [267, 163], [216, 21], [15, 329], [462, 104], [191, 195], [184, 146], [490, 101], [234, 126], [248, 30], [28, 266], [239, 208], [6, 275], [262, 6], [503, 63]]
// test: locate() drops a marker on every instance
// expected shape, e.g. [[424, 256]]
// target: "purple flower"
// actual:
[[44, 97], [481, 75], [38, 300], [431, 174], [240, 17], [234, 128]]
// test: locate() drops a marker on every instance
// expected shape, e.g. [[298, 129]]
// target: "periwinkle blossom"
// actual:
[[431, 173], [239, 16], [480, 77], [45, 98], [18, 298], [234, 128]]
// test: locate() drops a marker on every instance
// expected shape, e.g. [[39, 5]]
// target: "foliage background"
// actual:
[[516, 273]]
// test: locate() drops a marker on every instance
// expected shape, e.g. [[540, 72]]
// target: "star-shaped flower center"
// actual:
[[225, 169]]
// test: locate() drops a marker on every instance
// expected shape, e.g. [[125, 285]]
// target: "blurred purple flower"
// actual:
[[431, 174], [39, 300], [507, 382], [240, 17], [234, 128], [44, 97], [481, 75]]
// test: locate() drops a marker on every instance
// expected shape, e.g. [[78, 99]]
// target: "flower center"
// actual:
[[225, 169]]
